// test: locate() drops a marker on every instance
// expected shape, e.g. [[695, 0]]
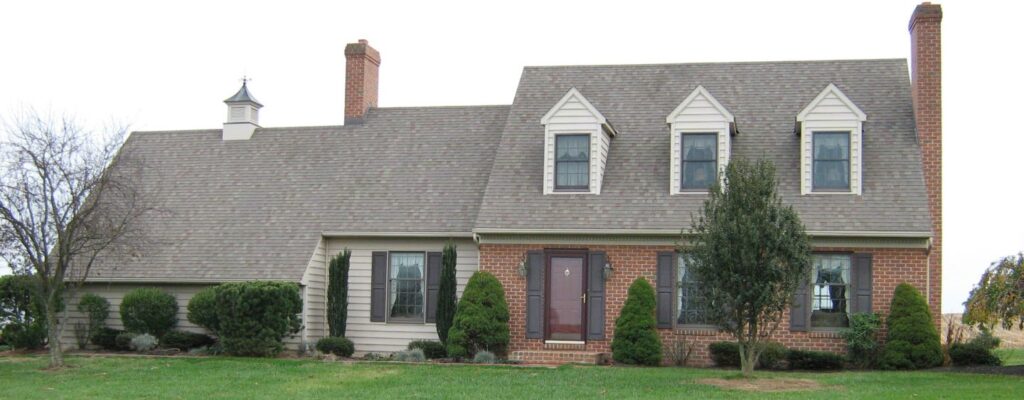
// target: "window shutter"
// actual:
[[665, 285], [595, 295], [378, 286], [535, 295], [433, 284], [798, 312], [862, 283]]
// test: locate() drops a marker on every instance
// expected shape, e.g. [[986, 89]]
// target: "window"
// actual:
[[406, 286], [830, 291], [691, 303], [831, 161], [700, 160], [572, 162]]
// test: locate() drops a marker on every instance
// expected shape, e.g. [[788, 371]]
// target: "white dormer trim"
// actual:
[[575, 115], [700, 112], [831, 111]]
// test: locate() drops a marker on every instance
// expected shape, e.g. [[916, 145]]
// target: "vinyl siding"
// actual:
[[697, 116], [831, 113], [377, 337], [572, 116], [314, 312]]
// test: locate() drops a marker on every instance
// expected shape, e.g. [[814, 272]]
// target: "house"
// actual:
[[567, 195]]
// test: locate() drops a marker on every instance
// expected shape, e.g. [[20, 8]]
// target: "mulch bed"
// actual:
[[764, 385]]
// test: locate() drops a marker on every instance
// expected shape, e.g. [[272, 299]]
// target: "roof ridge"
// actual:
[[715, 63]]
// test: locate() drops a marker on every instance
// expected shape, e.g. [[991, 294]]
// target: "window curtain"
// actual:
[[406, 285]]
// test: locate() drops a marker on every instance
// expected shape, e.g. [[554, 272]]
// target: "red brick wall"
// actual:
[[926, 77], [362, 64], [890, 268]]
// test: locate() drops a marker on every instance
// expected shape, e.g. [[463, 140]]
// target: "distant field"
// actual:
[[1012, 338]]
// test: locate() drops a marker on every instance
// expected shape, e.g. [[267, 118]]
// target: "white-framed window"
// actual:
[[577, 139], [406, 286], [691, 304], [830, 290], [700, 129], [572, 162], [831, 144]]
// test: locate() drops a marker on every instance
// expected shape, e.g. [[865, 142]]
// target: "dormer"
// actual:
[[831, 130], [576, 142], [243, 114], [700, 129]]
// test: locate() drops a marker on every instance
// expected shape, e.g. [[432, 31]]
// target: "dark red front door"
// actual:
[[565, 300]]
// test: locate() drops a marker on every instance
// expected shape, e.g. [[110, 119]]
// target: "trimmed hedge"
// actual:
[[913, 341], [481, 318], [202, 309], [636, 338], [123, 340], [185, 341], [254, 317], [149, 310], [727, 354], [431, 348], [814, 360], [336, 345], [973, 353], [106, 338]]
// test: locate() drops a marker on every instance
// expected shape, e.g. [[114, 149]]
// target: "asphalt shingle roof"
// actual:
[[255, 209], [765, 98]]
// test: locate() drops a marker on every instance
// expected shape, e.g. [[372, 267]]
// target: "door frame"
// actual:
[[582, 254]]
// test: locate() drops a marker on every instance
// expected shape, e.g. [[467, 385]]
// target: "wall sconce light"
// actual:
[[608, 271], [524, 268]]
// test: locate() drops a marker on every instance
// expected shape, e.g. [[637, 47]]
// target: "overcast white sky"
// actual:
[[168, 65]]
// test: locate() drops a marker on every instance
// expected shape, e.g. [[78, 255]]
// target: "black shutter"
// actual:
[[798, 312], [433, 284], [595, 295], [665, 285], [378, 285], [535, 295], [862, 283]]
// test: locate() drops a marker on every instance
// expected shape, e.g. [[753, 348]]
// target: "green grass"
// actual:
[[230, 378], [1011, 356]]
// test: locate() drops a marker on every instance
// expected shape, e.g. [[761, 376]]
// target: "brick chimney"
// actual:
[[926, 90], [361, 66]]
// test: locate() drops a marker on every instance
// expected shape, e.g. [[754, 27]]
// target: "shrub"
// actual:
[[481, 318], [212, 350], [149, 310], [862, 339], [338, 346], [25, 335], [986, 339], [414, 355], [973, 353], [81, 333], [185, 341], [447, 300], [143, 343], [431, 348], [814, 360], [485, 357], [96, 310], [106, 338], [636, 339], [123, 340], [253, 317], [913, 341], [202, 309], [337, 293], [678, 353], [727, 354]]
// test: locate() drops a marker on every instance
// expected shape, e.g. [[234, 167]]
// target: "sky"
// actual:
[[169, 65]]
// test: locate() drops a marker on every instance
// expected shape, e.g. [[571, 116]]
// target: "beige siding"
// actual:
[[573, 115], [831, 111], [314, 299], [697, 114], [378, 337]]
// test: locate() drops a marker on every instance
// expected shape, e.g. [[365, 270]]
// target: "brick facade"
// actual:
[[362, 64], [890, 268]]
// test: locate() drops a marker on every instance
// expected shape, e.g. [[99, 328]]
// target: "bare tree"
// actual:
[[67, 197]]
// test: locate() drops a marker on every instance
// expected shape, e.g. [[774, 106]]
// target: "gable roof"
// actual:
[[831, 92], [764, 97], [255, 209], [699, 93]]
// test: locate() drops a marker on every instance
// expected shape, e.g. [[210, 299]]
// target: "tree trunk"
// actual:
[[53, 336], [748, 359]]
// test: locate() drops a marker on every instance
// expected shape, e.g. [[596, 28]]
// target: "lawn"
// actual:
[[230, 378], [1011, 356]]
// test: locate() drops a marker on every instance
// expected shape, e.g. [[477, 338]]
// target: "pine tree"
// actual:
[[337, 293], [446, 298], [636, 338], [913, 341]]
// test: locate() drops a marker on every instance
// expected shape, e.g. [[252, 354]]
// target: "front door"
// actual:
[[565, 296]]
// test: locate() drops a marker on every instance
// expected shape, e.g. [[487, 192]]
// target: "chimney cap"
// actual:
[[243, 95], [926, 11]]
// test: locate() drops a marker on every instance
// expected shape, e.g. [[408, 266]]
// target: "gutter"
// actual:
[[467, 235], [677, 232]]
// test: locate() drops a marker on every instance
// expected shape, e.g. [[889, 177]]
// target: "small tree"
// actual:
[[481, 320], [96, 310], [636, 338], [913, 341], [751, 253], [446, 296], [999, 295], [337, 293]]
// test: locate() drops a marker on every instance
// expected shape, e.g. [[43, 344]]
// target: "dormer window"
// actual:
[[831, 161], [830, 130], [572, 162], [700, 129], [700, 160], [577, 139]]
